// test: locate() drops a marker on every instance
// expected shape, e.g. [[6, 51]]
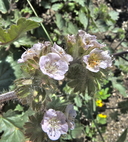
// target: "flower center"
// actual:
[[94, 60], [51, 67]]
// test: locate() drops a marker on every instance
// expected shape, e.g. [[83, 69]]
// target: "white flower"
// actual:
[[53, 66], [71, 38], [97, 59], [60, 51], [37, 48], [70, 115], [86, 39], [30, 53], [54, 124]]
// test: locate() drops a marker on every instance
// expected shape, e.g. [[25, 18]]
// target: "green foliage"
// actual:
[[76, 133], [83, 79], [15, 31], [119, 86], [123, 106], [103, 94], [123, 137], [4, 6], [101, 120], [90, 131], [57, 103], [12, 125], [33, 129], [26, 10], [114, 15], [122, 65], [78, 101], [34, 90], [9, 69], [83, 19], [6, 75]]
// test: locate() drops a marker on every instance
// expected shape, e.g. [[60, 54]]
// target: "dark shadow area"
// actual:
[[6, 75]]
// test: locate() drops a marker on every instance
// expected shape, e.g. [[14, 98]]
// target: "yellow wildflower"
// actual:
[[102, 115], [99, 103]]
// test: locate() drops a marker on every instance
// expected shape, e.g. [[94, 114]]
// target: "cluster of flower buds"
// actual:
[[55, 123]]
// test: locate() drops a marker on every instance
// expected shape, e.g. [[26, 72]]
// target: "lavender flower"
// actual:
[[87, 39], [60, 51], [37, 48], [54, 124], [70, 115], [71, 38], [30, 53], [53, 66], [97, 59]]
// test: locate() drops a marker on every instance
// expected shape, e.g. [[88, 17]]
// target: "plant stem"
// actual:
[[98, 129], [40, 23], [7, 96], [90, 111]]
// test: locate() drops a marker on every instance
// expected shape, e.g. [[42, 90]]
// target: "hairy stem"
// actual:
[[7, 96]]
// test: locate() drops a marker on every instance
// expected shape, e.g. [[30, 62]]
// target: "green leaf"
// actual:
[[12, 125], [78, 101], [72, 28], [57, 6], [36, 19], [80, 2], [114, 15], [75, 133], [25, 41], [120, 88], [123, 136], [4, 6], [57, 103], [6, 75], [19, 108], [33, 129], [59, 21], [82, 80], [124, 44], [9, 68], [83, 19], [16, 30]]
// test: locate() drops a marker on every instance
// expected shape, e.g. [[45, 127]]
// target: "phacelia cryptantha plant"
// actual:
[[81, 65]]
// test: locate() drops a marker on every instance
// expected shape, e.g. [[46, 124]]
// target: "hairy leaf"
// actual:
[[12, 125], [75, 133], [119, 87], [114, 15], [83, 19], [4, 6], [59, 21], [6, 75], [9, 69], [33, 129], [72, 28], [16, 30], [82, 80]]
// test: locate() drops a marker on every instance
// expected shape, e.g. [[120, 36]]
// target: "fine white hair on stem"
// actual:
[[7, 96]]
